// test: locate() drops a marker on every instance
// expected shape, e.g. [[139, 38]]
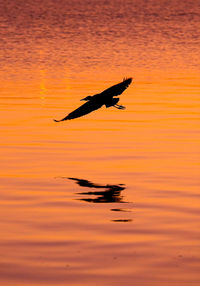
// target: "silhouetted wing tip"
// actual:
[[128, 79], [61, 120]]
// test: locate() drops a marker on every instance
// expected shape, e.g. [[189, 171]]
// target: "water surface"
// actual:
[[111, 198]]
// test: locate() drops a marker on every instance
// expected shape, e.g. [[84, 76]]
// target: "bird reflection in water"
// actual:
[[110, 194]]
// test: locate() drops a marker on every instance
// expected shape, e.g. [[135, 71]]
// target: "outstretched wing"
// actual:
[[86, 183], [84, 109], [117, 89]]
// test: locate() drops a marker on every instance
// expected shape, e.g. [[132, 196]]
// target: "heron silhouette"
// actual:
[[106, 97]]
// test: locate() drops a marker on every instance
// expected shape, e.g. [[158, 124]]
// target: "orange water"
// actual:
[[56, 232]]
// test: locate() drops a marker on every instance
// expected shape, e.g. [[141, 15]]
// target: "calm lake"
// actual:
[[111, 198]]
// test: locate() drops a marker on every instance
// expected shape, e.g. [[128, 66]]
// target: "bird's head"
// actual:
[[86, 98]]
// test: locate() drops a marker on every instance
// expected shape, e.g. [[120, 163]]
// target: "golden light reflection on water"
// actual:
[[53, 234], [43, 89]]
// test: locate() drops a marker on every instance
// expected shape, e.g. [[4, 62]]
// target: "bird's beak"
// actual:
[[85, 98]]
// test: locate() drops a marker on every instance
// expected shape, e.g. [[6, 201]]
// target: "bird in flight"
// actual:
[[106, 97]]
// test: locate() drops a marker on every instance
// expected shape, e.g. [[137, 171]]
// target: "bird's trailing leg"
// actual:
[[119, 106]]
